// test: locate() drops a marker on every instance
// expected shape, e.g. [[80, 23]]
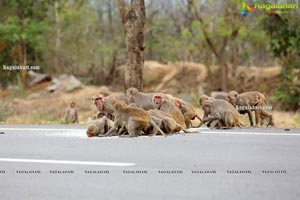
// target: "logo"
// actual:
[[276, 8], [246, 9]]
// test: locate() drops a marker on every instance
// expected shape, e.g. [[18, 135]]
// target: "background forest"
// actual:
[[86, 38]]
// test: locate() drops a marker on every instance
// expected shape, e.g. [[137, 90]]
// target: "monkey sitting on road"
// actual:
[[169, 107], [98, 127], [105, 106], [187, 110], [133, 119], [166, 122], [221, 113], [71, 115]]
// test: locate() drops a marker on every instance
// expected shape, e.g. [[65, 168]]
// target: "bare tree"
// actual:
[[133, 19], [229, 38]]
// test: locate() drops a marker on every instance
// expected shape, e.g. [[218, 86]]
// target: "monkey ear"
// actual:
[[178, 104], [229, 98]]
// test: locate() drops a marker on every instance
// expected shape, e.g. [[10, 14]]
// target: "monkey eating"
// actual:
[[166, 122], [221, 113], [134, 120], [98, 127], [71, 115]]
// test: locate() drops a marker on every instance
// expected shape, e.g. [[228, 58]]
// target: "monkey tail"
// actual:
[[157, 128]]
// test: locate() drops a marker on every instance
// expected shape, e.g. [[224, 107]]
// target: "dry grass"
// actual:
[[50, 108]]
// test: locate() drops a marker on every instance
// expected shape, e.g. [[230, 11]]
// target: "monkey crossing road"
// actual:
[[61, 162]]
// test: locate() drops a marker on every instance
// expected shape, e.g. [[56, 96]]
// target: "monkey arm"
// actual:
[[66, 115], [250, 116], [200, 120], [112, 131], [210, 119]]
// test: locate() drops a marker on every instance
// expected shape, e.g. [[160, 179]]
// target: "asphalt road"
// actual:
[[60, 162]]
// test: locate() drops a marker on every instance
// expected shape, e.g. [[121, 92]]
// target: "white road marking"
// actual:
[[69, 162], [40, 129], [247, 133], [81, 132]]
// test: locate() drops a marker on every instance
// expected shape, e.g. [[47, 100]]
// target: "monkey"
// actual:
[[220, 112], [97, 100], [219, 95], [187, 110], [71, 114], [203, 98], [105, 105], [135, 120], [143, 100], [146, 101], [166, 122], [249, 100], [98, 127], [169, 107], [266, 119]]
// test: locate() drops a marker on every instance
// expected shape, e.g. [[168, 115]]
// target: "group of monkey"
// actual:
[[158, 113]]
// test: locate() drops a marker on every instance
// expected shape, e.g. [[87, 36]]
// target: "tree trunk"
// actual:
[[57, 36], [133, 19]]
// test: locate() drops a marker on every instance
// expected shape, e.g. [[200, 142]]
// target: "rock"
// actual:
[[64, 84], [38, 78], [72, 83]]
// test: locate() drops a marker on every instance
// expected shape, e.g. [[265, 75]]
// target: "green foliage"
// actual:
[[284, 31], [22, 30]]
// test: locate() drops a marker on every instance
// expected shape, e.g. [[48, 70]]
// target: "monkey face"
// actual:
[[157, 100], [92, 130], [98, 101], [231, 99], [72, 104], [202, 99], [130, 93]]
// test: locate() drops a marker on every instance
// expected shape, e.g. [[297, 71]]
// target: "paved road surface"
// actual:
[[60, 162]]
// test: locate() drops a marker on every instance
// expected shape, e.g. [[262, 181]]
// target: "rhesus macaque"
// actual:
[[170, 108], [187, 110], [98, 127], [219, 95], [166, 122], [143, 100], [203, 98], [97, 100], [222, 112], [105, 105], [247, 100], [213, 124], [71, 115], [135, 120]]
